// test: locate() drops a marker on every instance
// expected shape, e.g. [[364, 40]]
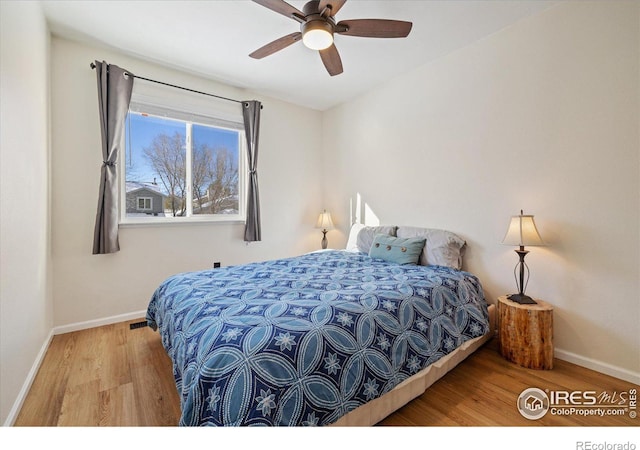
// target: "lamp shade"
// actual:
[[522, 231], [324, 221]]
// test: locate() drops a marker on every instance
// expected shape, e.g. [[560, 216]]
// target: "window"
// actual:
[[181, 167], [144, 203]]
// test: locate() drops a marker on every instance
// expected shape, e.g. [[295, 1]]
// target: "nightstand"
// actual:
[[525, 333]]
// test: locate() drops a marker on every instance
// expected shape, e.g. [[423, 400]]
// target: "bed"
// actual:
[[338, 337]]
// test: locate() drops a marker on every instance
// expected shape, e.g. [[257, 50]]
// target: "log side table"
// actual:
[[525, 333]]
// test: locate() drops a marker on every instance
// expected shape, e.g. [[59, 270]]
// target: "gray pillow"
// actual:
[[442, 248], [366, 235]]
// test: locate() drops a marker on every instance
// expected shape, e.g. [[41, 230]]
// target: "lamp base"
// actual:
[[521, 299]]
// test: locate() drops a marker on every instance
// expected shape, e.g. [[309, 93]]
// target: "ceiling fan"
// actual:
[[318, 25]]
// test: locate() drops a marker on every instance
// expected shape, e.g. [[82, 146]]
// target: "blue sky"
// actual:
[[147, 127]]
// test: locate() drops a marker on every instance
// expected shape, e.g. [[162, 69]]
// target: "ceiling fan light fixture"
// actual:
[[317, 35]]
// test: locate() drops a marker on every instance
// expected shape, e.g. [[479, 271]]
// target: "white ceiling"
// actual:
[[214, 38]]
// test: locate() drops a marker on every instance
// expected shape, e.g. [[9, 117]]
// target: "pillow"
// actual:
[[352, 242], [442, 248], [397, 250], [366, 235]]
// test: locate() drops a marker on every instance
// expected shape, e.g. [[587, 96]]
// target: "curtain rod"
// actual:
[[93, 66]]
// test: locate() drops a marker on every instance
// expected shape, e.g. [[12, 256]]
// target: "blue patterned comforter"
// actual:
[[304, 340]]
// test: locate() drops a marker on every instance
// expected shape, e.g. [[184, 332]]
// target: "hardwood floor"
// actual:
[[105, 376], [117, 376]]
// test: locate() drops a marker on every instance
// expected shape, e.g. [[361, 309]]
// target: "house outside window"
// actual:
[[181, 167]]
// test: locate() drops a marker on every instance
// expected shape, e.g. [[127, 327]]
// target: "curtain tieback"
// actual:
[[253, 172], [109, 163]]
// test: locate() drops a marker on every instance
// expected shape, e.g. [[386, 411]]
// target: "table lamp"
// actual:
[[326, 224], [522, 231]]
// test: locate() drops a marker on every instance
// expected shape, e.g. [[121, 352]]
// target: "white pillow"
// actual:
[[367, 234], [442, 248]]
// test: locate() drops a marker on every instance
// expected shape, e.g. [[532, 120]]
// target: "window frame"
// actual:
[[188, 116]]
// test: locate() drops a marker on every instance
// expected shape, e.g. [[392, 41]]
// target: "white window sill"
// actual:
[[178, 221]]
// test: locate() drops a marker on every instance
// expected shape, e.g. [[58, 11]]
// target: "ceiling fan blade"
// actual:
[[331, 59], [375, 28], [336, 5], [282, 7], [276, 45]]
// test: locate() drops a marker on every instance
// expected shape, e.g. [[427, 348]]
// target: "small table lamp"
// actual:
[[324, 222], [522, 231]]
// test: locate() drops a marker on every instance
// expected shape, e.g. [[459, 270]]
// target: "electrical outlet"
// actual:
[[216, 264]]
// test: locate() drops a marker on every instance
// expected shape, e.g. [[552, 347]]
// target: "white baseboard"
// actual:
[[99, 322], [22, 395], [598, 366]]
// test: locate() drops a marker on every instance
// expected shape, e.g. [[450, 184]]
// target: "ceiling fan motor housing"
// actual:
[[314, 20], [317, 24]]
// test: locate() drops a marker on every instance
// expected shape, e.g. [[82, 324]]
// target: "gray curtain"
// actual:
[[251, 115], [114, 95]]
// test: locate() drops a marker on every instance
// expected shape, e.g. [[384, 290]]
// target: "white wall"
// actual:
[[91, 287], [542, 116], [26, 316]]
